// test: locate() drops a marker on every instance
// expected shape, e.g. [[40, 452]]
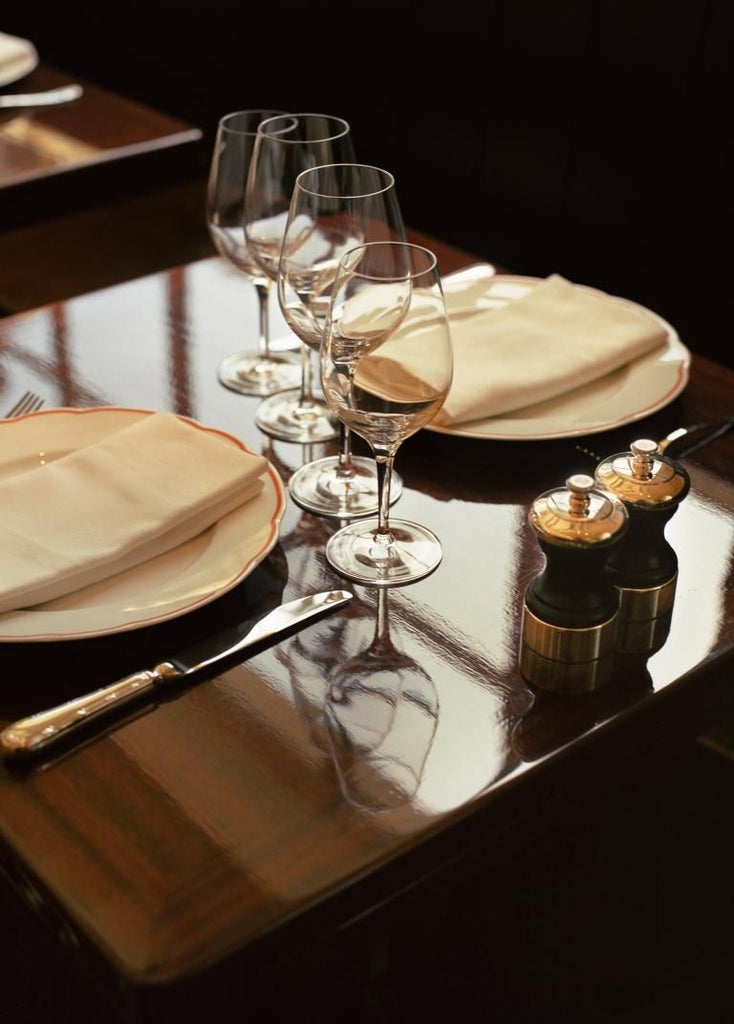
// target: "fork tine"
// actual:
[[28, 402], [17, 409], [36, 402]]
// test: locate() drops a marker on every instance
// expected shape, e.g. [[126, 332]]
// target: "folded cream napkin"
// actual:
[[138, 492], [555, 338], [18, 57]]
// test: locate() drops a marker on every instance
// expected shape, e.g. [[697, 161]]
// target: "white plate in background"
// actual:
[[628, 394]]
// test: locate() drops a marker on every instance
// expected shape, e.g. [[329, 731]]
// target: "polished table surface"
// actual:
[[52, 154], [100, 126], [235, 816]]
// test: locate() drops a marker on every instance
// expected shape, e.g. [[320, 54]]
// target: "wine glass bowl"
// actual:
[[286, 145], [259, 372], [333, 208], [386, 369]]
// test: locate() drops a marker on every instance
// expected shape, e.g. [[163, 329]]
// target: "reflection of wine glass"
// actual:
[[386, 368], [250, 373], [286, 145], [381, 712], [332, 209]]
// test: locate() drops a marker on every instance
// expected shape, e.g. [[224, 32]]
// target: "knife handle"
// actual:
[[30, 734]]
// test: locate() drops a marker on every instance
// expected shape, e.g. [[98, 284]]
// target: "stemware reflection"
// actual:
[[367, 705], [381, 713]]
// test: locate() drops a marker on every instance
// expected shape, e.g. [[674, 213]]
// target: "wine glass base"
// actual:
[[319, 487], [259, 375], [280, 416], [354, 553]]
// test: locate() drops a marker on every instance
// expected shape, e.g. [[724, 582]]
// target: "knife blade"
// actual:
[[40, 730]]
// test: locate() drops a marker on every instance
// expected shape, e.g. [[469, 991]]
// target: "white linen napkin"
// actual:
[[107, 507], [553, 339], [18, 57]]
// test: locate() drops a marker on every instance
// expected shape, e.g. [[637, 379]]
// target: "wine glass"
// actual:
[[386, 368], [332, 209], [250, 373], [286, 145]]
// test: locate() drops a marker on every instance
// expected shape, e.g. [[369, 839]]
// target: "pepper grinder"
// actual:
[[645, 566], [570, 611]]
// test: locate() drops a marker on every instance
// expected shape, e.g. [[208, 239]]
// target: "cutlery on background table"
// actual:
[[47, 98], [29, 401], [686, 440], [39, 731], [682, 441]]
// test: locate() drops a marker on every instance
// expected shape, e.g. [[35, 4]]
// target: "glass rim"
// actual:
[[225, 119], [344, 126], [388, 182], [348, 257]]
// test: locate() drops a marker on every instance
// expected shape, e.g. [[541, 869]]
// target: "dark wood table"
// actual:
[[81, 152], [211, 853]]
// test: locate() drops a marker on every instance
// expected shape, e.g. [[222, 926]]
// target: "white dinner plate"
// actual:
[[630, 393], [162, 588], [18, 57]]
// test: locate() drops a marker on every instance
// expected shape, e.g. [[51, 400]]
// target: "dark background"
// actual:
[[584, 137]]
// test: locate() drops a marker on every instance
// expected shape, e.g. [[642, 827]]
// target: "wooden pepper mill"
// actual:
[[644, 567], [570, 611]]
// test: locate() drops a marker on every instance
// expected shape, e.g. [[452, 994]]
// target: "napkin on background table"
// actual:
[[553, 339], [107, 507], [18, 57]]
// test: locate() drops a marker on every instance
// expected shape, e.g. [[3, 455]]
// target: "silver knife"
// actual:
[[39, 731]]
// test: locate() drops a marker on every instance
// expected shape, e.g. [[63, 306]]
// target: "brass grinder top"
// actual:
[[642, 477], [579, 515]]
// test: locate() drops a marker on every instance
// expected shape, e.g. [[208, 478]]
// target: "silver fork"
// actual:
[[687, 440], [27, 402], [684, 440]]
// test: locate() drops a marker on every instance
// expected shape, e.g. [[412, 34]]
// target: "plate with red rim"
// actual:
[[163, 588], [623, 396]]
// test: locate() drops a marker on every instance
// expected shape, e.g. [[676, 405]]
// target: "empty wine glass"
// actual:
[[250, 373], [332, 209], [286, 145], [386, 368]]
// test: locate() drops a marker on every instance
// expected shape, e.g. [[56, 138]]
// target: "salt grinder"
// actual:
[[644, 567], [571, 607]]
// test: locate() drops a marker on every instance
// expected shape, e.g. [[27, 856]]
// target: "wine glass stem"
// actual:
[[263, 297], [383, 536], [306, 402], [345, 470]]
